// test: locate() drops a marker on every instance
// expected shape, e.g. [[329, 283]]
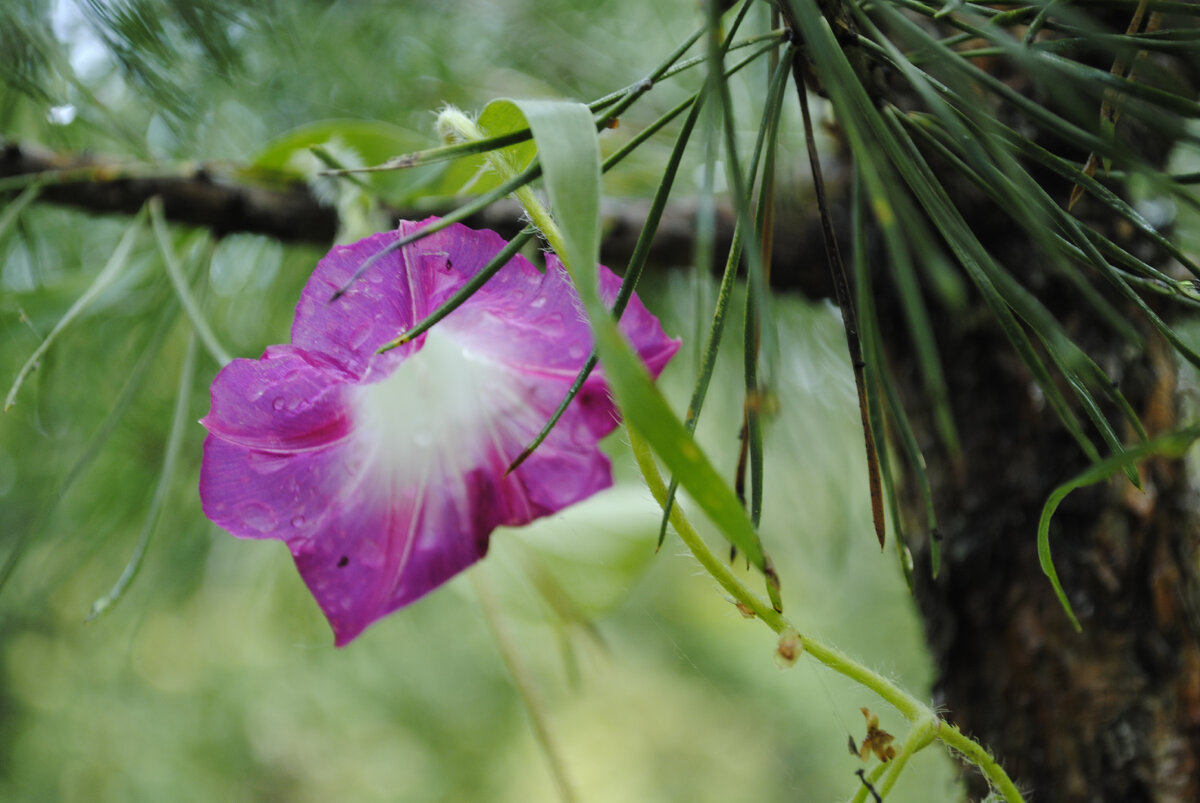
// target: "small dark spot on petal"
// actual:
[[343, 561], [449, 264]]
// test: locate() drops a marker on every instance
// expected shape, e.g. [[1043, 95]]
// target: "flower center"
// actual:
[[438, 409]]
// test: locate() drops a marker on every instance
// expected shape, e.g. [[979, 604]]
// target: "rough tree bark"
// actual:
[[1112, 713], [1109, 714]]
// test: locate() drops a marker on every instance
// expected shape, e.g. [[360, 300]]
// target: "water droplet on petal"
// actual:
[[267, 462], [278, 403], [576, 351], [298, 521], [538, 302], [553, 326], [257, 516], [359, 335], [256, 393]]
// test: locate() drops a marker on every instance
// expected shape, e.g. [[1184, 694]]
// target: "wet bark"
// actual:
[[1109, 714]]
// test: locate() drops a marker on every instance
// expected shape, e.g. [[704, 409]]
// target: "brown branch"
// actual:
[[198, 195], [217, 197]]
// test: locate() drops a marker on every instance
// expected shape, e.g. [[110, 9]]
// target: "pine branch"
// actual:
[[200, 195], [217, 197]]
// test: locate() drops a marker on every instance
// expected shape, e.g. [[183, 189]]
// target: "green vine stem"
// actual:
[[459, 124], [918, 738], [924, 720], [927, 724]]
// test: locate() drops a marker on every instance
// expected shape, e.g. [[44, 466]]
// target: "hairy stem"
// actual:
[[465, 127], [909, 707]]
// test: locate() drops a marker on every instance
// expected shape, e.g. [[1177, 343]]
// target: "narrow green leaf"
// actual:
[[880, 384], [116, 263], [875, 373], [1105, 196], [455, 301], [641, 250], [630, 95], [1048, 119], [709, 353], [134, 381], [569, 153], [462, 213], [1000, 291], [637, 262], [874, 147], [757, 301], [902, 240], [1031, 207], [1173, 445], [203, 330], [766, 135], [179, 422], [13, 210]]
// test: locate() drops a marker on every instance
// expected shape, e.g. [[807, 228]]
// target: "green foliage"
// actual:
[[1175, 444], [315, 92], [354, 143]]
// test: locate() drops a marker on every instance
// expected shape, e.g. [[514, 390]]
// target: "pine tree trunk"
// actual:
[[1109, 714]]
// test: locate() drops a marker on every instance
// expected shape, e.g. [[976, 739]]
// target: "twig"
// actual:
[[909, 707], [219, 197]]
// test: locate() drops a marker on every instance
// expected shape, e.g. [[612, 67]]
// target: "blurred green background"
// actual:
[[214, 677]]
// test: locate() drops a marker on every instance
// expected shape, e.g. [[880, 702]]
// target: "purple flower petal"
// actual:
[[385, 474], [289, 399]]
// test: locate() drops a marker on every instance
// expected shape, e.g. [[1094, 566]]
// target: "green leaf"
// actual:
[[1173, 445], [569, 153], [364, 141], [203, 329], [472, 174], [374, 141], [116, 264], [641, 250], [179, 423], [12, 211]]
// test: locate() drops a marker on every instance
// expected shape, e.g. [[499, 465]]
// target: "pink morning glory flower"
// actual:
[[385, 473]]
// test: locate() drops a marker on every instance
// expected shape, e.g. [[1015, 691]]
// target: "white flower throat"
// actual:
[[439, 407]]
